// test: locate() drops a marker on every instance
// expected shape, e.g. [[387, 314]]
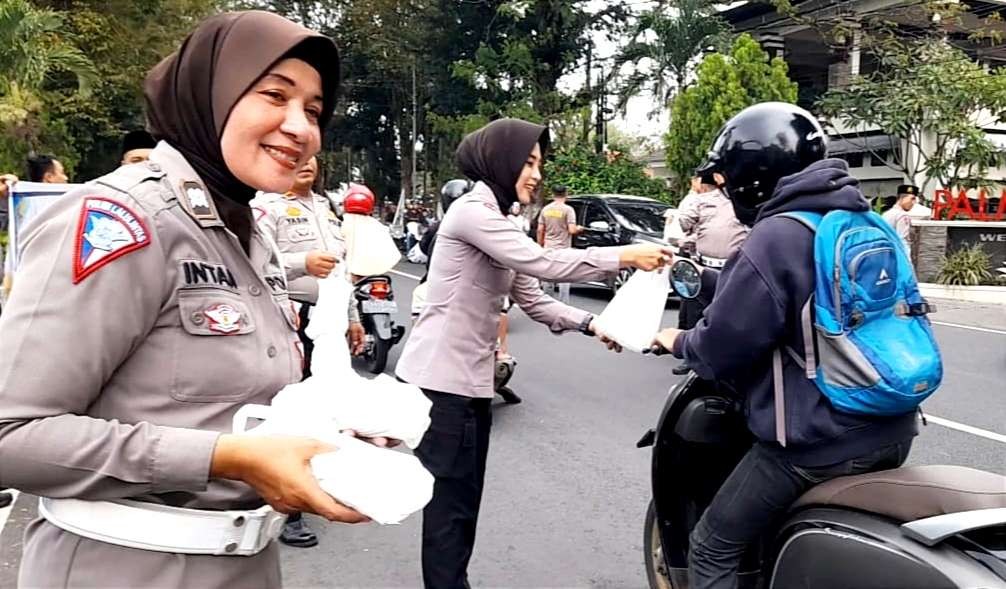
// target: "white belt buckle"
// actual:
[[252, 532]]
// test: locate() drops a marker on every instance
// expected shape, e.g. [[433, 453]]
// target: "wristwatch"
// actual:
[[584, 326]]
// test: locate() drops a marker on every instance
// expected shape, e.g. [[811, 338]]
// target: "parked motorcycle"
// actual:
[[378, 309], [918, 526]]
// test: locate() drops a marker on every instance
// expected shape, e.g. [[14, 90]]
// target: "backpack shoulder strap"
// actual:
[[806, 218]]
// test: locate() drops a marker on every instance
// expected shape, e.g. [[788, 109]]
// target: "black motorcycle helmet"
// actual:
[[757, 147], [453, 190]]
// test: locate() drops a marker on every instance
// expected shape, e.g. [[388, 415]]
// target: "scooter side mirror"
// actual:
[[686, 278]]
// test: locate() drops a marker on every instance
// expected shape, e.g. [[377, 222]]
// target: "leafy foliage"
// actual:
[[968, 266], [83, 63], [664, 46], [584, 171], [727, 83], [942, 102]]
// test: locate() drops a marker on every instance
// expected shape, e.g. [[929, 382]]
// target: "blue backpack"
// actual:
[[869, 346]]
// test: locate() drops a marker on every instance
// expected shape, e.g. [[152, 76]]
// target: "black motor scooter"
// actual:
[[921, 527], [377, 314]]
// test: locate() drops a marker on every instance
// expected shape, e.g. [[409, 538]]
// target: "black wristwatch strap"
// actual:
[[584, 326]]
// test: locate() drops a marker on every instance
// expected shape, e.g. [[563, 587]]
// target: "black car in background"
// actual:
[[618, 219]]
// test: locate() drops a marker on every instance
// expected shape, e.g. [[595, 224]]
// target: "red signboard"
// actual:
[[946, 206]]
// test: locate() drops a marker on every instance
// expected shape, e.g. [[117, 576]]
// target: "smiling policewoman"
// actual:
[[481, 257], [148, 310]]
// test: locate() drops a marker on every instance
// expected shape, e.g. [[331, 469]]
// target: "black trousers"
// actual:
[[454, 450], [756, 494], [306, 343], [689, 313]]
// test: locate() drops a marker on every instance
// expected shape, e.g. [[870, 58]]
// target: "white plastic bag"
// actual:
[[370, 250], [383, 484], [416, 255], [327, 327], [632, 318]]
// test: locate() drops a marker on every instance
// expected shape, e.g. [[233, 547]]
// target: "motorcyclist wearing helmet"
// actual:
[[358, 200], [770, 159]]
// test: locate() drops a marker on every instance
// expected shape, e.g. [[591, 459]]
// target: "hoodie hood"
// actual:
[[820, 187]]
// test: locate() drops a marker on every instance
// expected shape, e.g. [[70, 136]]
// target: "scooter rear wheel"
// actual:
[[377, 357], [656, 568]]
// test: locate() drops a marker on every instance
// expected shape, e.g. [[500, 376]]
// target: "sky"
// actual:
[[636, 120]]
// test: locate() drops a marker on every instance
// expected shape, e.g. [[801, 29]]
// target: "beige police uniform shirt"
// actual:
[[137, 328], [709, 217], [901, 221], [556, 219], [298, 225], [481, 257]]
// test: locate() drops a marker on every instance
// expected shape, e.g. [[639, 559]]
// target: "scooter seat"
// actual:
[[913, 492]]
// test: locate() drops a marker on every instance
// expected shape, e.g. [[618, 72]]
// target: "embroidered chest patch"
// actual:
[[223, 318], [106, 230]]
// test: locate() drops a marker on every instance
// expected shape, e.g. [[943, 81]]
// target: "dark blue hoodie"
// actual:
[[756, 310]]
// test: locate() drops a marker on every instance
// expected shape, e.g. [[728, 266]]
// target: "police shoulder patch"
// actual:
[[106, 230]]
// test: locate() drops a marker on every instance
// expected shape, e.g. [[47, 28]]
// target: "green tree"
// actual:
[[584, 171], [529, 46], [726, 84], [92, 91], [936, 116], [664, 44], [34, 51]]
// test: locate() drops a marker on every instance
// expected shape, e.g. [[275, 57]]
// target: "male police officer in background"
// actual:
[[897, 216], [709, 219], [136, 146], [556, 228], [306, 230]]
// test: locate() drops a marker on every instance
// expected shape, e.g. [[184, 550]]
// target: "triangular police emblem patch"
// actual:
[[106, 230]]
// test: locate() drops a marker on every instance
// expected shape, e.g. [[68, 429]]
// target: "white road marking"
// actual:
[[971, 327], [416, 278], [961, 427], [968, 429], [5, 512]]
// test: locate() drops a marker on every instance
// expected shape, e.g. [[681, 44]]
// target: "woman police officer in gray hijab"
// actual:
[[148, 310], [482, 257]]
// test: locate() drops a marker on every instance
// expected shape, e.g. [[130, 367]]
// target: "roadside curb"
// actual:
[[974, 294]]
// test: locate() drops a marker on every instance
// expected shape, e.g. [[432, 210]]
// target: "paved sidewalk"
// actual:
[[983, 315]]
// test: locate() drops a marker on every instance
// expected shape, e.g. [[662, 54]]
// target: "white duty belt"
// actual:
[[163, 528], [710, 262]]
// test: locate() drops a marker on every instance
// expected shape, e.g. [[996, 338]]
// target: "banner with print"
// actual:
[[27, 200]]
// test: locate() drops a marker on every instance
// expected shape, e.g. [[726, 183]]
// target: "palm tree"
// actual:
[[665, 41], [32, 48]]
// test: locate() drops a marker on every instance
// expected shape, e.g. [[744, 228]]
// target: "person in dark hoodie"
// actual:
[[769, 159]]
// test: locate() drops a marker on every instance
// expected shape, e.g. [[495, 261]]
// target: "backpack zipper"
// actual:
[[837, 279]]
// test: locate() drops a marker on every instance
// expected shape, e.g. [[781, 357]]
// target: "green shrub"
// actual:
[[968, 266]]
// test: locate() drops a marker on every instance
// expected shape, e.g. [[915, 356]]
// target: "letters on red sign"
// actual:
[[960, 207]]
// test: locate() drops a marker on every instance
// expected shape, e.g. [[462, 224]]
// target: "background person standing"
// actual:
[[306, 230], [556, 228], [716, 234], [47, 169], [136, 146], [897, 216]]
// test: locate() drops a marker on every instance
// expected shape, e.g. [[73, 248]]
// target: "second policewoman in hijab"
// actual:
[[148, 310], [480, 258]]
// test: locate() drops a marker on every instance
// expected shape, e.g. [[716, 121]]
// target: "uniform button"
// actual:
[[231, 547], [198, 318], [271, 351], [255, 290]]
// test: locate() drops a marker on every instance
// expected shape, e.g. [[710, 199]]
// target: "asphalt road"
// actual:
[[566, 488]]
